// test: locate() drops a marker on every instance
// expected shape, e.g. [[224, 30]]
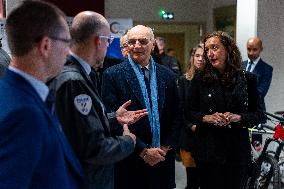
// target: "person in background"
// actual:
[[263, 72], [187, 132], [152, 86], [80, 109], [223, 104], [171, 52], [124, 46], [168, 61], [257, 66], [108, 62], [4, 60], [34, 152]]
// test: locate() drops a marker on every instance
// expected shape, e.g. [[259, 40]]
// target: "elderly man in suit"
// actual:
[[34, 152], [152, 86], [257, 66]]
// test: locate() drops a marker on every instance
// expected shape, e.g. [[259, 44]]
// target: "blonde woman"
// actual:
[[195, 63]]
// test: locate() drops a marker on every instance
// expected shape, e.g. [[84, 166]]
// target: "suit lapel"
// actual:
[[134, 85], [161, 88], [258, 67], [133, 82]]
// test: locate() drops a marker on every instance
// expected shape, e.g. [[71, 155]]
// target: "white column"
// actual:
[[246, 23]]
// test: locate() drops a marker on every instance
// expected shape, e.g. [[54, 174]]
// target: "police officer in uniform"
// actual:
[[79, 106]]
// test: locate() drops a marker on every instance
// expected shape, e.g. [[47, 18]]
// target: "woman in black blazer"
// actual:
[[223, 103], [196, 63]]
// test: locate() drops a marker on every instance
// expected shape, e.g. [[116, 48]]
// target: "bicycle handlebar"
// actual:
[[279, 112], [276, 117], [261, 126]]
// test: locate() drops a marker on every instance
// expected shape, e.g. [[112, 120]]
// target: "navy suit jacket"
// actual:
[[263, 71], [34, 152], [121, 84]]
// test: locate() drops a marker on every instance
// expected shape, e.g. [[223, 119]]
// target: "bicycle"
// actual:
[[265, 168]]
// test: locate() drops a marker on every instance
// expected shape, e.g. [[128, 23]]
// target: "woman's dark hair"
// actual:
[[233, 59]]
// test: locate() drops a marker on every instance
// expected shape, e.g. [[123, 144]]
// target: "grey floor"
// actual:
[[180, 176]]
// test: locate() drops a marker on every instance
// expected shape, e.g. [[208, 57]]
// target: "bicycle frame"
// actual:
[[275, 153]]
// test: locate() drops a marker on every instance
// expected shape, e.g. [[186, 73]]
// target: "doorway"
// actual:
[[180, 36]]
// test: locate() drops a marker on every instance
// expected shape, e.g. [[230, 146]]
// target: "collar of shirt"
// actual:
[[254, 63], [148, 65], [83, 63], [39, 86]]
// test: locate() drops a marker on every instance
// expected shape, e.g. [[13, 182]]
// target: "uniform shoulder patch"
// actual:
[[83, 103]]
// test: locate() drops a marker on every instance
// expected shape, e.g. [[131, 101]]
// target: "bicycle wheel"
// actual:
[[266, 174], [281, 166]]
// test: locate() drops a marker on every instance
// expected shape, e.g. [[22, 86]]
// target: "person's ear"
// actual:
[[97, 41], [44, 46]]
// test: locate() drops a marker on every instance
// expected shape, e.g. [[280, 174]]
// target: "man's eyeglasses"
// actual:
[[109, 38], [68, 41], [142, 41]]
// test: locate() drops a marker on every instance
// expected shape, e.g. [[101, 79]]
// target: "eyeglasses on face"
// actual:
[[68, 41], [109, 38], [142, 41]]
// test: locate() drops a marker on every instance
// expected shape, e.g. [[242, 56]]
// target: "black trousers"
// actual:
[[222, 176]]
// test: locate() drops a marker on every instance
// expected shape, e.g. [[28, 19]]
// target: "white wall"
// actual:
[[194, 11], [11, 4], [271, 31], [246, 23]]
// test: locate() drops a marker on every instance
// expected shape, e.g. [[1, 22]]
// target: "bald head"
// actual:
[[255, 41], [140, 41], [254, 48], [87, 24], [141, 30]]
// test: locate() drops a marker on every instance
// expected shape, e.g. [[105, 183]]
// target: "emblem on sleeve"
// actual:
[[83, 103]]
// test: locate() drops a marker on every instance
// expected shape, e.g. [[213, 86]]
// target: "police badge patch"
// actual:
[[83, 103]]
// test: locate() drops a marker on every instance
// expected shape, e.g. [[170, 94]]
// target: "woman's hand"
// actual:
[[230, 117], [217, 119]]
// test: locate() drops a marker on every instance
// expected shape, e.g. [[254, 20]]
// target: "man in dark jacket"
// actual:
[[257, 66], [34, 152], [80, 108], [166, 60]]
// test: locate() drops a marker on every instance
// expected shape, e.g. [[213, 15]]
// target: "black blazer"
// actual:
[[186, 135], [219, 144]]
